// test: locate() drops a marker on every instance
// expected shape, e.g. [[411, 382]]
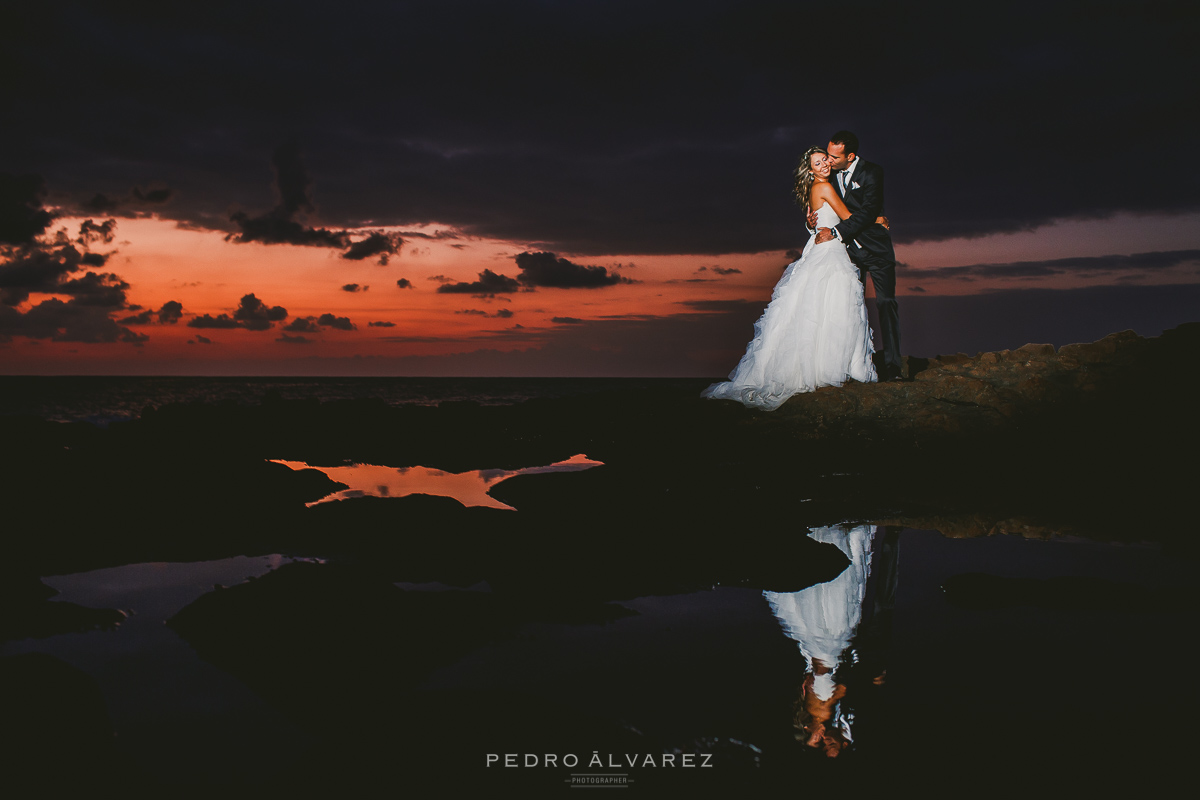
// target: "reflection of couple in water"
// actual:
[[855, 608]]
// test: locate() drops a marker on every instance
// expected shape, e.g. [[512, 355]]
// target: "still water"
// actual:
[[908, 657]]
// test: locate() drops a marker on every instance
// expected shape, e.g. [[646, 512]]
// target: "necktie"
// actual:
[[842, 180]]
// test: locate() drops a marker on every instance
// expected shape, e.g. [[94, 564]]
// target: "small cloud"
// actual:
[[339, 323], [285, 339], [383, 324], [144, 318], [727, 270], [255, 315], [170, 313], [302, 325], [503, 313], [354, 287], [472, 311], [565, 321], [405, 283], [916, 289], [440, 279], [548, 270], [376, 244], [489, 284], [203, 340], [222, 321]]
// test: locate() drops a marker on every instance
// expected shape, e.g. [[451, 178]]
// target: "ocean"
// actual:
[[101, 400]]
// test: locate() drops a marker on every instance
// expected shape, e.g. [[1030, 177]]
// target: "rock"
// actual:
[[1030, 352], [54, 723], [1102, 350], [983, 591]]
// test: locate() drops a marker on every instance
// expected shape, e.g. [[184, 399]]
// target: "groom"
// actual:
[[860, 184]]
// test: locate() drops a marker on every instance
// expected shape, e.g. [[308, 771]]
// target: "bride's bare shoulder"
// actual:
[[819, 191]]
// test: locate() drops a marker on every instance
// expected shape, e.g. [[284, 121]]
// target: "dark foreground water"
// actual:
[[265, 598], [1049, 687]]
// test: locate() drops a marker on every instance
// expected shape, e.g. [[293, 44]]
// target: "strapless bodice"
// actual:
[[827, 217]]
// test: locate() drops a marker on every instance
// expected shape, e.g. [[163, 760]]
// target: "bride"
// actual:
[[815, 331]]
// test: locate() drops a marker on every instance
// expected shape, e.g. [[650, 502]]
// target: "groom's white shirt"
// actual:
[[845, 181]]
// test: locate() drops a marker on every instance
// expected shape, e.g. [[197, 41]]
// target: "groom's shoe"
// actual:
[[891, 374]]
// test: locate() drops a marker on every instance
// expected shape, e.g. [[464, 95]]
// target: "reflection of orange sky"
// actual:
[[162, 261], [469, 488]]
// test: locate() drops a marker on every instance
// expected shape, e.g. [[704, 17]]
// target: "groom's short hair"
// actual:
[[846, 138]]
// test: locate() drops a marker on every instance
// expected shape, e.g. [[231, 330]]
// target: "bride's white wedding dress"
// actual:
[[814, 332]]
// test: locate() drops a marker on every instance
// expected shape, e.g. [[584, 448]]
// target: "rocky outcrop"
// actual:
[[957, 394]]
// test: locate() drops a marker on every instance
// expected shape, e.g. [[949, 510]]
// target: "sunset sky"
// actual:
[[571, 188]]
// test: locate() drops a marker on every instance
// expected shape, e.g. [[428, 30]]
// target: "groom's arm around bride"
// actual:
[[868, 243]]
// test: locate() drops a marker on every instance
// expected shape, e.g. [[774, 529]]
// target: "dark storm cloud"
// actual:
[[96, 233], [34, 268], [136, 202], [209, 321], [337, 323], [270, 229], [22, 217], [143, 318], [93, 289], [151, 196], [523, 126], [66, 322], [170, 313], [285, 339], [502, 313], [251, 314], [489, 284], [376, 244], [279, 226], [302, 325], [255, 315], [1089, 265], [43, 265], [547, 269]]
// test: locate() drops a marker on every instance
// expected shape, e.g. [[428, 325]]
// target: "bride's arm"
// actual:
[[825, 190]]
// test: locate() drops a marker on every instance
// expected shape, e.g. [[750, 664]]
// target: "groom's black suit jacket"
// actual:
[[865, 203]]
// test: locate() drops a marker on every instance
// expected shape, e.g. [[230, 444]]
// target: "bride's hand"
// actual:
[[882, 221]]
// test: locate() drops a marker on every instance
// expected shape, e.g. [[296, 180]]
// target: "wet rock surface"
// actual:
[[54, 724]]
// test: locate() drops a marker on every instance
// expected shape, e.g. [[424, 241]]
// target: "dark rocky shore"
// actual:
[[1097, 436], [1093, 439]]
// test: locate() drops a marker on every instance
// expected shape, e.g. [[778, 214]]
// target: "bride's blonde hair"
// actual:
[[805, 177]]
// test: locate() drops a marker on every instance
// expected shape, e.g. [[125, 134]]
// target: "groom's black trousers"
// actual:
[[883, 276]]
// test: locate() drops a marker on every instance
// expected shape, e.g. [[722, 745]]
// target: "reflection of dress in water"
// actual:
[[823, 618]]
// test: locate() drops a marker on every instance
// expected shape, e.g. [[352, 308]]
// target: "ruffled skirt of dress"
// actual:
[[813, 333]]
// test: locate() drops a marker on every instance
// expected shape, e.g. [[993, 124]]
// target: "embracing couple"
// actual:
[[815, 331]]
